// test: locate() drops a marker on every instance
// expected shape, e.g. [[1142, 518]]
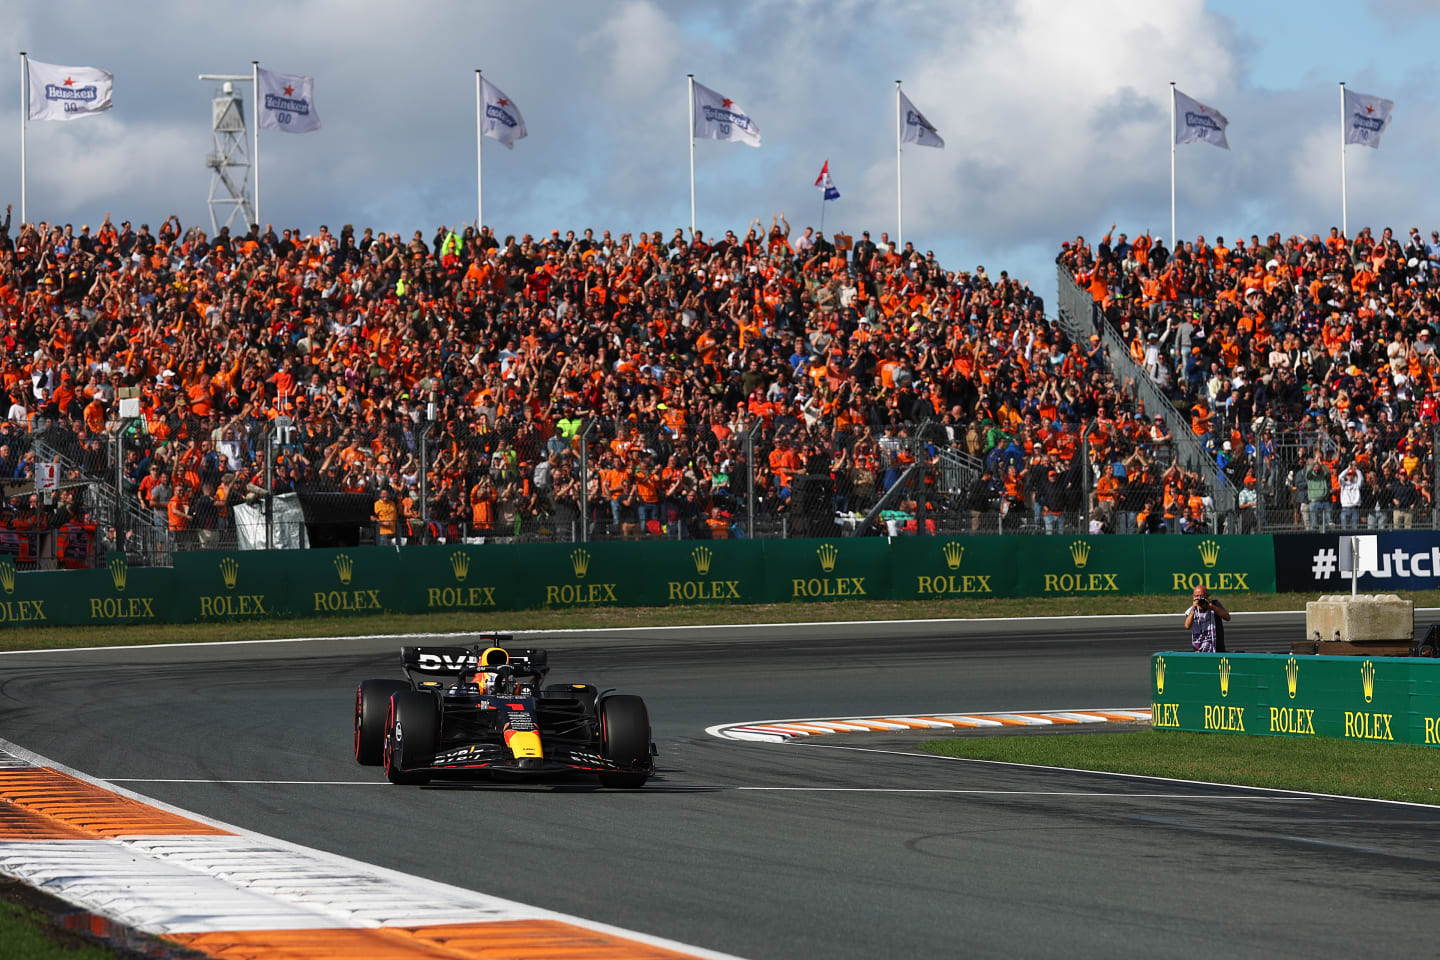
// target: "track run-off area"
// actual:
[[845, 845]]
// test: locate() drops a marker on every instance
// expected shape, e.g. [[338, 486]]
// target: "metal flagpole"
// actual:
[[822, 205], [479, 139], [255, 149], [1172, 166], [24, 117], [1344, 201], [899, 177], [690, 135]]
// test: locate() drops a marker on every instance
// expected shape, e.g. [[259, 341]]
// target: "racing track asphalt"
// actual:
[[778, 851]]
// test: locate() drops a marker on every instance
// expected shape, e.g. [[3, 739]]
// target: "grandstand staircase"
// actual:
[[1080, 316], [110, 507]]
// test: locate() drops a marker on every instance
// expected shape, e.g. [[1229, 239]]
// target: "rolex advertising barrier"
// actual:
[[1384, 699], [214, 587]]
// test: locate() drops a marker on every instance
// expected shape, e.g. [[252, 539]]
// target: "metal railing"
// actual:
[[1080, 316]]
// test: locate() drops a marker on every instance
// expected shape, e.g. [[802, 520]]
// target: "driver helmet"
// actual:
[[502, 681]]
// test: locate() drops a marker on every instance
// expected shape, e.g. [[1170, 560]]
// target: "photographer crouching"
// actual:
[[1205, 619]]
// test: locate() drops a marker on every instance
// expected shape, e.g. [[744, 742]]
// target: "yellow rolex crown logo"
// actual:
[[229, 570], [954, 553], [1292, 675], [1159, 676], [460, 565], [1209, 552], [828, 554], [118, 572], [1224, 676], [1367, 679], [7, 576], [702, 557], [345, 567], [1080, 553], [580, 561]]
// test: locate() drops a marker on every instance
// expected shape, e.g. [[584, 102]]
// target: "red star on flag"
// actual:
[[1370, 108], [69, 82], [289, 89], [726, 102], [502, 102]]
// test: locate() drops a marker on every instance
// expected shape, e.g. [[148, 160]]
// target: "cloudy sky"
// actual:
[[1055, 115]]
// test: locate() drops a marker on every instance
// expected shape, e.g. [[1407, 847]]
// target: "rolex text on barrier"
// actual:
[[458, 577], [1380, 699], [713, 572], [946, 568], [1220, 564], [827, 570], [1081, 566], [346, 581], [244, 585]]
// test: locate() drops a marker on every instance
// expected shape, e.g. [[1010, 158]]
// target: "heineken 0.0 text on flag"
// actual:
[[720, 118], [917, 129], [64, 93], [1366, 118], [502, 121], [287, 102], [1197, 123]]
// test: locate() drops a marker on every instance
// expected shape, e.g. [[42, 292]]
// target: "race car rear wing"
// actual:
[[453, 661]]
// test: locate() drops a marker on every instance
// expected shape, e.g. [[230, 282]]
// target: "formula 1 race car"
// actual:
[[482, 710]]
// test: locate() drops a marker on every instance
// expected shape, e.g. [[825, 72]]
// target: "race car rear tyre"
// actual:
[[625, 739], [372, 707], [412, 733]]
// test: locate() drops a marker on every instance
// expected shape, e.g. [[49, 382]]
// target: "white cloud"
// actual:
[[640, 46]]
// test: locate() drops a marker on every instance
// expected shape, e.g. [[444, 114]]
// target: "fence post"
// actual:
[[1434, 481], [1262, 480], [1086, 481], [750, 479], [269, 487], [122, 531], [586, 426], [424, 444]]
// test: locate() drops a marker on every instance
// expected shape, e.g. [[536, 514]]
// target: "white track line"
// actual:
[[622, 631], [1297, 794], [1015, 793]]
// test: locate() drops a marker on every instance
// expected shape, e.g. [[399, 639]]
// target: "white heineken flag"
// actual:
[[1366, 118], [64, 93], [1197, 123], [287, 102], [915, 128], [720, 118], [502, 118]]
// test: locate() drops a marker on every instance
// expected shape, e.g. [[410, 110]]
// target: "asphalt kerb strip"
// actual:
[[779, 731]]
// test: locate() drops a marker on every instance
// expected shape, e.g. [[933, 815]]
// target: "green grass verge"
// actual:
[[26, 934], [623, 617], [1391, 771]]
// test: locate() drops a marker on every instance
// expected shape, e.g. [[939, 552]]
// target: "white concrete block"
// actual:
[[1360, 618]]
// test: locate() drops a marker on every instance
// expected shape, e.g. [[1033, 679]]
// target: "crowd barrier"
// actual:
[[1387, 699], [210, 586]]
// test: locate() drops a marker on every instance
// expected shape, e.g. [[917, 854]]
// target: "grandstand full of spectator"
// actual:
[[1307, 365], [449, 383]]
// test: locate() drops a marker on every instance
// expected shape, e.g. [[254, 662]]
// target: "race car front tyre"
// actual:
[[625, 739], [412, 733], [372, 706]]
